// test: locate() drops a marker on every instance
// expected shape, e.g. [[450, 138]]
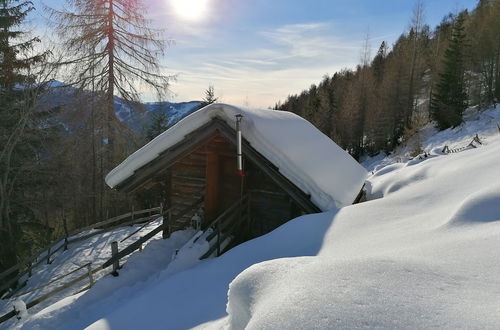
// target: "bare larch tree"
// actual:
[[111, 49]]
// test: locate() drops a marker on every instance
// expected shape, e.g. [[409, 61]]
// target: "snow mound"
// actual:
[[387, 169], [189, 254], [480, 207], [374, 293], [303, 154]]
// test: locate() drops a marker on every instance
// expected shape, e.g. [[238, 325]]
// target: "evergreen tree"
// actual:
[[450, 98], [18, 142], [485, 51], [378, 62], [209, 96], [159, 124]]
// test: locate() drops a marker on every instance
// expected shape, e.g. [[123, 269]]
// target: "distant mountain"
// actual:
[[138, 117], [135, 115]]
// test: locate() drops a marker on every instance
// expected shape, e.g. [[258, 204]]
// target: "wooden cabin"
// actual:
[[196, 171]]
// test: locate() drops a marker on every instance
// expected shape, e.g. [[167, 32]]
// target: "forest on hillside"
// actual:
[[426, 74]]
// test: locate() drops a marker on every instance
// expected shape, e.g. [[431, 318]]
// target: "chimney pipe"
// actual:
[[239, 155]]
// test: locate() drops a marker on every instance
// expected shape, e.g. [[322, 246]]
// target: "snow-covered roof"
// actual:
[[304, 155]]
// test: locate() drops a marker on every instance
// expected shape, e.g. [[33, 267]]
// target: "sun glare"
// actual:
[[192, 10]]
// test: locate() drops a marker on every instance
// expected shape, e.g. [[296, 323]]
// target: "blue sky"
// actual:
[[256, 52]]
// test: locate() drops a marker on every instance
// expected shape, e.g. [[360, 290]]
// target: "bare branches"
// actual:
[[109, 43]]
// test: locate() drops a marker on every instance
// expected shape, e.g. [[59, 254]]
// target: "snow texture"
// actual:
[[20, 308], [302, 154]]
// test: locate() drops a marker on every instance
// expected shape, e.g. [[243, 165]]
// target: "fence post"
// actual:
[[65, 224], [218, 239], [48, 255], [166, 224], [91, 278], [30, 269], [140, 245], [116, 263]]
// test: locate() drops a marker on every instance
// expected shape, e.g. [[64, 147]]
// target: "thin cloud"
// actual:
[[294, 57]]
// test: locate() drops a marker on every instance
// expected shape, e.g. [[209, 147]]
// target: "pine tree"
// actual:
[[209, 96], [378, 63], [17, 136], [159, 124], [450, 98]]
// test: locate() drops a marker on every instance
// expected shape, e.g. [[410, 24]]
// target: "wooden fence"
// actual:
[[471, 145], [116, 256], [24, 268]]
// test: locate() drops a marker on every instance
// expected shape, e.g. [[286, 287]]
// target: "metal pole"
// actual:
[[239, 154]]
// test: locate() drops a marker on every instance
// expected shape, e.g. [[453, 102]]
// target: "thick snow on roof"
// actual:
[[303, 154]]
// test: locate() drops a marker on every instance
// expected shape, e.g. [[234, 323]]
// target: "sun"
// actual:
[[191, 10]]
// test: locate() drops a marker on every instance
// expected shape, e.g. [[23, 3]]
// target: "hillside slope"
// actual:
[[419, 254]]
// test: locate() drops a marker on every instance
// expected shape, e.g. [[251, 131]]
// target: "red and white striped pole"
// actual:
[[239, 155]]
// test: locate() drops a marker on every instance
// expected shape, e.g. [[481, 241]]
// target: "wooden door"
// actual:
[[223, 185]]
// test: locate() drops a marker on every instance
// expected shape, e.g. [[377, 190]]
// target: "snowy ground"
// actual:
[[422, 253], [482, 123], [155, 256]]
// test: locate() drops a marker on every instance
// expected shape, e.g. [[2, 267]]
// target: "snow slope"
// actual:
[[422, 254], [301, 152], [483, 123]]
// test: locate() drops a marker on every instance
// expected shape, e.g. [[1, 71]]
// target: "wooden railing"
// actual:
[[471, 145], [223, 226], [167, 216], [117, 254], [25, 267], [88, 274]]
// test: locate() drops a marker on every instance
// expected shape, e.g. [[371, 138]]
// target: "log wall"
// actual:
[[210, 171]]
